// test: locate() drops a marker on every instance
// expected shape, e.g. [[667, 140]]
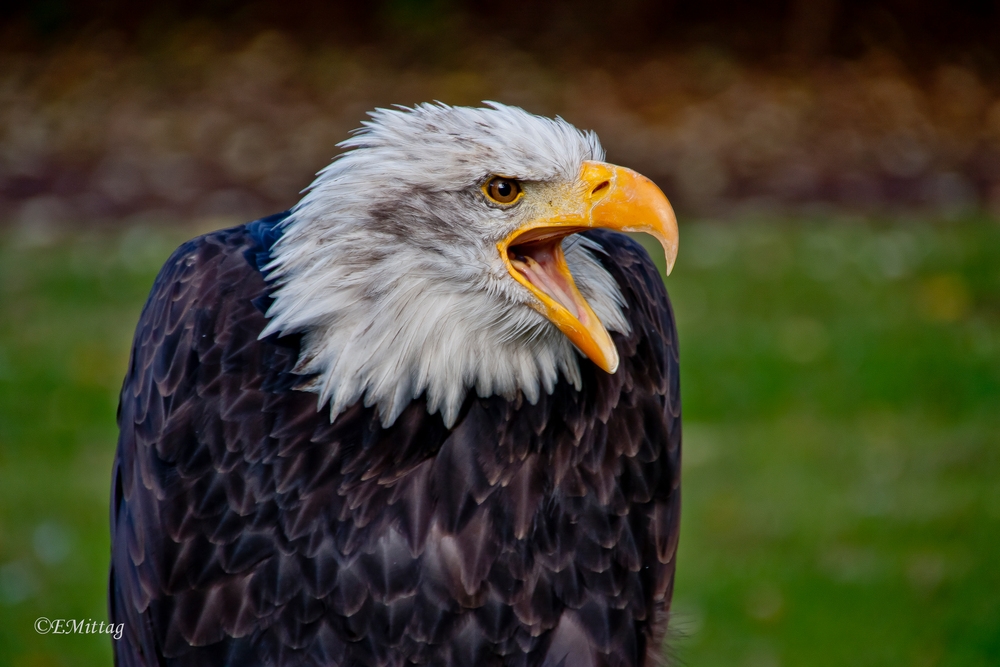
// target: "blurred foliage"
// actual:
[[842, 403], [146, 115]]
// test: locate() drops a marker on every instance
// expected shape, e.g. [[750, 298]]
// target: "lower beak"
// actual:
[[612, 198]]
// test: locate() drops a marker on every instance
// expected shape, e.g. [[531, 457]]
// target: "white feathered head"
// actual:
[[439, 253]]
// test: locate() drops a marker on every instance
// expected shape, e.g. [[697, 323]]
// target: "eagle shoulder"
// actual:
[[651, 367], [192, 410]]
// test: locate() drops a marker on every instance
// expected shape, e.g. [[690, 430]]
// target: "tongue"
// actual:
[[539, 264]]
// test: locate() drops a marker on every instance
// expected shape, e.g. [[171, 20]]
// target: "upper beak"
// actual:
[[612, 198]]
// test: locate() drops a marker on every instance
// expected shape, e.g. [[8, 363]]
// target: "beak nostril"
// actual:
[[603, 185]]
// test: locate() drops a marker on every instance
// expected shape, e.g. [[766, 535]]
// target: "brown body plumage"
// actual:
[[250, 529]]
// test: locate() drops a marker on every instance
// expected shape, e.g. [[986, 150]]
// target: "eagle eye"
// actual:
[[502, 190]]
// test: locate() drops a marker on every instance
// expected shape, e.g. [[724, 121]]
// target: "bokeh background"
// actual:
[[836, 169]]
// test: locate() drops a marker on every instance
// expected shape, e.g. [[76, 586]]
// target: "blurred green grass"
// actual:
[[842, 439]]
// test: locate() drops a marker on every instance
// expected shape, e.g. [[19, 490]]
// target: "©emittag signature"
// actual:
[[77, 626]]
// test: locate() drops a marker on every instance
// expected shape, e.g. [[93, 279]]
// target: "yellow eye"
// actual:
[[502, 190]]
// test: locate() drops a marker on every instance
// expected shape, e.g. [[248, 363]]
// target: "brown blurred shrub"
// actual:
[[94, 131]]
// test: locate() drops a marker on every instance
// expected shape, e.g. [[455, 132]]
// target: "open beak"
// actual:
[[612, 198]]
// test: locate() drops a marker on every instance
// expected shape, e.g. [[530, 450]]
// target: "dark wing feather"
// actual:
[[249, 530]]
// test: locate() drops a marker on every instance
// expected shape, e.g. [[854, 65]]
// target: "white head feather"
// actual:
[[389, 264]]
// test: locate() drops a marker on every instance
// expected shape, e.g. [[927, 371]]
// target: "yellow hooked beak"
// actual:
[[612, 198]]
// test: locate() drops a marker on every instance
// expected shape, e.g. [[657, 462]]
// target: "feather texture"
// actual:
[[248, 528], [389, 265]]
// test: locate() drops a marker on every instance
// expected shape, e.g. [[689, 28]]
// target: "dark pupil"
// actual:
[[504, 189]]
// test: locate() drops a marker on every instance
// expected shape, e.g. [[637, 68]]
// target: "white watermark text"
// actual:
[[77, 626]]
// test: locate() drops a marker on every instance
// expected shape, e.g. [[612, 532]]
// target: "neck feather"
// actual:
[[382, 323]]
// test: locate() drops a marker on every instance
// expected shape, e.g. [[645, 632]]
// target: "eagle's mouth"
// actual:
[[543, 264], [610, 197], [535, 259]]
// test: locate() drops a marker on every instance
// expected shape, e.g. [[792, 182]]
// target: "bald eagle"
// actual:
[[428, 416]]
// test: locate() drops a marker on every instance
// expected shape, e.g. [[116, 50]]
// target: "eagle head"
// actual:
[[440, 253]]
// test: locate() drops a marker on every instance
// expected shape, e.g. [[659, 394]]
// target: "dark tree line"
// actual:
[[921, 32]]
